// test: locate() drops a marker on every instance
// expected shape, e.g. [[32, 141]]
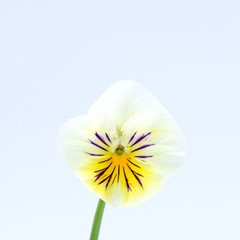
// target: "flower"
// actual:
[[125, 147]]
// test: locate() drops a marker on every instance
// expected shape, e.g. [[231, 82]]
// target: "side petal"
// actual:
[[167, 142], [156, 150], [71, 140]]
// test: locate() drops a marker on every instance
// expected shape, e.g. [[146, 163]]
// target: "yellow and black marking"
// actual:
[[120, 167]]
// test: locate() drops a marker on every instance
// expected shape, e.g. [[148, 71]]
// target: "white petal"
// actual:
[[168, 150], [123, 100], [70, 139], [74, 139]]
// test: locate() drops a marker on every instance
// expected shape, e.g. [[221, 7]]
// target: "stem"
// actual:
[[97, 220]]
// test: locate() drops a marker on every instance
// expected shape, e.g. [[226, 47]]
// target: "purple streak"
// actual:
[[143, 156], [126, 180], [101, 139], [118, 172], [109, 179], [140, 139], [132, 137], [104, 169], [93, 143], [135, 175], [101, 172], [108, 138], [142, 147], [133, 163], [105, 160], [97, 155]]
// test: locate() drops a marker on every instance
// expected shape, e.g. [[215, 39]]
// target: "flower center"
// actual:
[[120, 161], [119, 150]]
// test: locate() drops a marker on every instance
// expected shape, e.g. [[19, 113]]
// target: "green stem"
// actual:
[[97, 220]]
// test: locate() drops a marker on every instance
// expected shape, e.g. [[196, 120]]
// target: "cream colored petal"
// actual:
[[165, 137], [116, 193], [78, 142], [124, 100]]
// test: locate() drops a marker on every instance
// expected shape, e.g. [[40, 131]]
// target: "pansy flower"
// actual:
[[125, 147]]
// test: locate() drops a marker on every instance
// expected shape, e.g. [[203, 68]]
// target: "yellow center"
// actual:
[[124, 168], [119, 158]]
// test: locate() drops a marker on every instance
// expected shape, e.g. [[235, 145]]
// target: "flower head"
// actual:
[[125, 147]]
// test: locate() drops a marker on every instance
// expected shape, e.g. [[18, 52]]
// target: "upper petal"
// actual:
[[123, 100]]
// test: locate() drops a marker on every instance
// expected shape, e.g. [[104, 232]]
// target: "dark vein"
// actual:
[[101, 139], [108, 138], [132, 137], [140, 139], [134, 174], [142, 147], [133, 163], [105, 160], [108, 177], [97, 155], [126, 179], [102, 171], [97, 145]]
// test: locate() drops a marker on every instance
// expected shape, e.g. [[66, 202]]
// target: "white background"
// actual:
[[58, 57]]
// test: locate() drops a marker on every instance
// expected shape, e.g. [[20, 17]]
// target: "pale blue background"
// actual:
[[57, 58]]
